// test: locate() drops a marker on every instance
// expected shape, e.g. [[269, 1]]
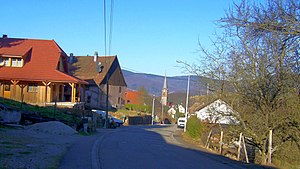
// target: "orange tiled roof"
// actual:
[[133, 96], [40, 64]]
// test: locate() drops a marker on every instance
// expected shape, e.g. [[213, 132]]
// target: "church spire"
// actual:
[[165, 83], [164, 93]]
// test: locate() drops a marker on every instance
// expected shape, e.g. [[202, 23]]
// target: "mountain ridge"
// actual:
[[154, 83]]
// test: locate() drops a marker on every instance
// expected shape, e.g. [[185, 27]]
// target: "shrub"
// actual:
[[137, 107], [194, 127]]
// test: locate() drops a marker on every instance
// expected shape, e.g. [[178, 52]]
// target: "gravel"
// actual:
[[41, 145], [53, 128]]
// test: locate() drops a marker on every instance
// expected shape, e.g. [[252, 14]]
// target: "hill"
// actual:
[[154, 83]]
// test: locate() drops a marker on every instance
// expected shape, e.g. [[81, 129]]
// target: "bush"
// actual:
[[194, 127], [137, 107]]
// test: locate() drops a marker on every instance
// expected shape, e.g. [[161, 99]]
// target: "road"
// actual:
[[153, 147]]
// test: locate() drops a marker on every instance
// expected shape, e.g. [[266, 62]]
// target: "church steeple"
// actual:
[[164, 93]]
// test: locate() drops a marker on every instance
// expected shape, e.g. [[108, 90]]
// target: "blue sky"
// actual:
[[148, 35]]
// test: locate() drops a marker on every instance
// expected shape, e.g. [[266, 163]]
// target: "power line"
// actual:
[[111, 24], [110, 21], [104, 20]]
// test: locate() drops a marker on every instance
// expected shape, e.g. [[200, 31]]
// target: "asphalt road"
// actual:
[[147, 147]]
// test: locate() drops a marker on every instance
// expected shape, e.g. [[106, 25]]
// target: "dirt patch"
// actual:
[[37, 146]]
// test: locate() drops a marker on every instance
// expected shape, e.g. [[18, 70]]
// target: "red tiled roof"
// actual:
[[134, 97], [40, 64]]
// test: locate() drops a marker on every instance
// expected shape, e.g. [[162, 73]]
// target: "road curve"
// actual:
[[151, 147]]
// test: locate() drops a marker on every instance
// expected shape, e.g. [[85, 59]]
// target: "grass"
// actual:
[[52, 112]]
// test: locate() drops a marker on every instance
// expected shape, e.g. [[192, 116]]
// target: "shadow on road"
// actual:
[[155, 147]]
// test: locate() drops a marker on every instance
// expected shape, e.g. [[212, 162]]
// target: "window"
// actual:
[[1, 61], [32, 87], [6, 62], [16, 62], [6, 87], [120, 89]]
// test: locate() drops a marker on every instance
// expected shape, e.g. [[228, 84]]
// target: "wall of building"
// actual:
[[37, 96], [96, 97], [117, 96]]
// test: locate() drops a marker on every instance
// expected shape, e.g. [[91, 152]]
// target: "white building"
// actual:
[[218, 112], [172, 111], [181, 109]]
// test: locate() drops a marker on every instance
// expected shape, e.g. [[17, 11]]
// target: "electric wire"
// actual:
[[104, 20], [111, 25]]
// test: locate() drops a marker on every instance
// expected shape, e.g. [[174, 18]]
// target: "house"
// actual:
[[181, 109], [174, 108], [97, 71], [36, 71], [218, 112], [172, 111]]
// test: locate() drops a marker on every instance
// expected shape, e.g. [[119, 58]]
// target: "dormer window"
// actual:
[[1, 61], [6, 62], [11, 61], [16, 62]]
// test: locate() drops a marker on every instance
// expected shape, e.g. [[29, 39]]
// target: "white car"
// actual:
[[119, 122], [181, 122]]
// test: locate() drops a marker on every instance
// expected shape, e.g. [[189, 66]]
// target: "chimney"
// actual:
[[4, 36], [71, 58], [95, 56]]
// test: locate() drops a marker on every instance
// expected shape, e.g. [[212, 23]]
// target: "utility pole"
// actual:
[[107, 95], [162, 113], [187, 103], [153, 109]]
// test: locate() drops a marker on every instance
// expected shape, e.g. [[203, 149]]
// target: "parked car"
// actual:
[[100, 112], [119, 122], [181, 122]]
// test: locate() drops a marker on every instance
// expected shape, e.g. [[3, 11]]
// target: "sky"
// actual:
[[148, 36]]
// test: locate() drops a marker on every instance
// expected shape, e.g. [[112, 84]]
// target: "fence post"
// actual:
[[239, 148], [245, 150], [270, 147], [221, 142], [208, 138]]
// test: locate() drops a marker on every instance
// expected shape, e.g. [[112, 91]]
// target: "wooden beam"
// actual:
[[79, 93], [22, 86], [46, 83], [73, 92], [14, 82], [83, 93], [46, 89]]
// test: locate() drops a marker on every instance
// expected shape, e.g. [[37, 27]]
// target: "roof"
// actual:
[[134, 97], [218, 112], [41, 58], [85, 68]]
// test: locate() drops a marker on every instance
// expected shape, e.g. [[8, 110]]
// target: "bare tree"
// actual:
[[258, 54]]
